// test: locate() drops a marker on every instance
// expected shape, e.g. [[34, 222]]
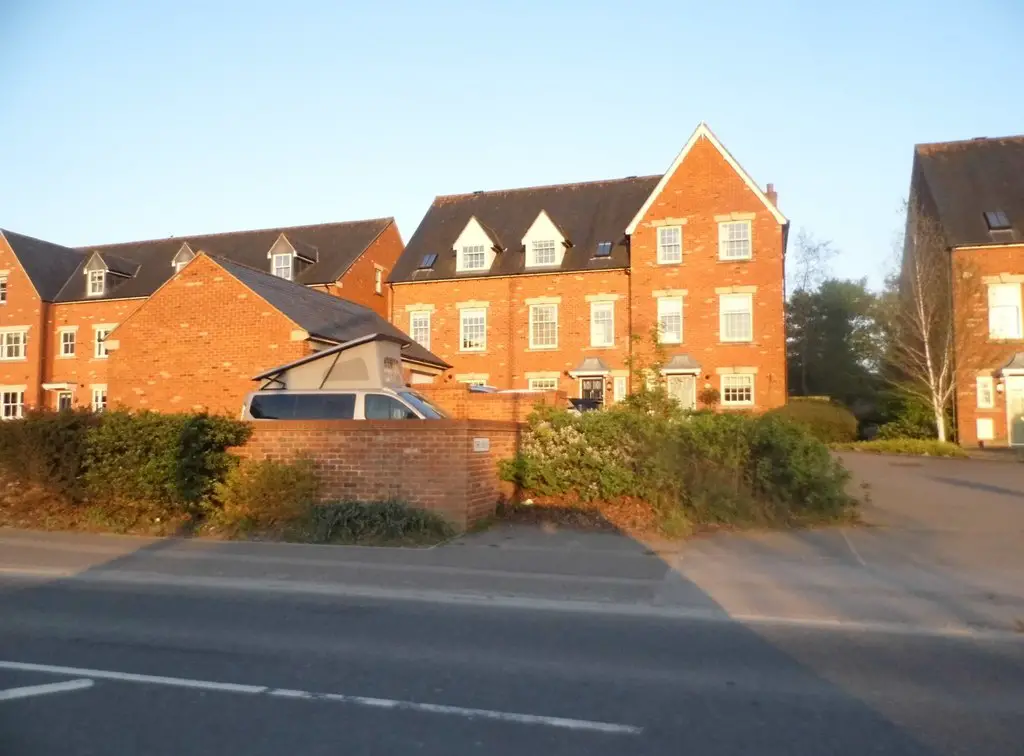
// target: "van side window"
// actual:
[[325, 406], [288, 406], [381, 407]]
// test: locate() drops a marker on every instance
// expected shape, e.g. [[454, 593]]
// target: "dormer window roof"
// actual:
[[183, 257], [102, 272], [476, 248], [284, 253]]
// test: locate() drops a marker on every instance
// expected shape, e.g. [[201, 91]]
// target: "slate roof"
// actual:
[[47, 265], [322, 315], [967, 179], [586, 213], [335, 246]]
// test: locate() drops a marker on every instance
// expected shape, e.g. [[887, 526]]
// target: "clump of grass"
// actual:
[[387, 522]]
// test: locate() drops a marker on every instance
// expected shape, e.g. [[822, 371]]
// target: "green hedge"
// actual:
[[700, 469], [919, 447], [826, 421], [170, 460]]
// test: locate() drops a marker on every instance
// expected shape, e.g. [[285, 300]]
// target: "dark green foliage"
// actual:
[[258, 494], [376, 522], [910, 418], [702, 468], [826, 421], [167, 460], [47, 449]]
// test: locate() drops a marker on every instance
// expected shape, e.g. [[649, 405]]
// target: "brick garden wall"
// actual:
[[462, 404], [430, 464]]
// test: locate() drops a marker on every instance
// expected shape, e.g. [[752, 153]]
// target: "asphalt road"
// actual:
[[241, 672]]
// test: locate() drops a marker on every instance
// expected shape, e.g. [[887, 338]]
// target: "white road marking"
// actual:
[[41, 690], [852, 549], [380, 703]]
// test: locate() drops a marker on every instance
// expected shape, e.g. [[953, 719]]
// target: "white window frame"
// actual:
[[99, 350], [3, 290], [726, 240], [620, 387], [744, 378], [474, 250], [378, 280], [474, 312], [420, 315], [276, 265], [98, 397], [545, 246], [668, 306], [542, 384], [68, 393], [63, 351], [1014, 291], [96, 283], [986, 392], [21, 343], [180, 266], [724, 309], [534, 310], [598, 334], [989, 424], [16, 407], [670, 252]]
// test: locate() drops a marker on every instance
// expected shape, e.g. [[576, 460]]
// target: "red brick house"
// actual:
[[58, 305], [972, 192], [563, 287]]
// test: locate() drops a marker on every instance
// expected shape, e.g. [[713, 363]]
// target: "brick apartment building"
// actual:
[[972, 193], [563, 287], [202, 314]]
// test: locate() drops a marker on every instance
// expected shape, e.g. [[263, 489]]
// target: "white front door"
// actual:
[[683, 388], [1015, 409]]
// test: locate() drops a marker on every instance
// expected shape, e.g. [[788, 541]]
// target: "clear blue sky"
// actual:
[[126, 120]]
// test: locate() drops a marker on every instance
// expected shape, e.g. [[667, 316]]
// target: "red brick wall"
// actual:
[[462, 404], [23, 308], [508, 357], [357, 284], [196, 343], [705, 186], [430, 464], [84, 369], [982, 354]]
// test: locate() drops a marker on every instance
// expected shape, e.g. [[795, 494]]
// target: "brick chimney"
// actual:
[[772, 195]]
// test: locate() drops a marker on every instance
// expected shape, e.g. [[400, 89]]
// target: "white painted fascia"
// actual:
[[183, 255], [704, 132], [281, 246]]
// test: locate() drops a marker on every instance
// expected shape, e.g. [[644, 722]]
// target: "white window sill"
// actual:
[[744, 405], [471, 270], [669, 342], [1004, 339], [735, 259], [601, 346], [670, 262], [66, 356], [472, 351], [542, 348], [724, 342], [13, 359]]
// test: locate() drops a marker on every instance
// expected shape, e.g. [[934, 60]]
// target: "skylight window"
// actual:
[[428, 261], [604, 249], [997, 220]]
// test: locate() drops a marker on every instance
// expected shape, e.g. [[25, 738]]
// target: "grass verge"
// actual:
[[909, 446]]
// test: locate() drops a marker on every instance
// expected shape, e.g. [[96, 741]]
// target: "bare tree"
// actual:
[[928, 313], [810, 263]]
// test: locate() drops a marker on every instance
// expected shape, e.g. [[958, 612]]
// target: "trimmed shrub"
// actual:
[[47, 449], [699, 468], [376, 522], [920, 447], [266, 493], [173, 460], [826, 421]]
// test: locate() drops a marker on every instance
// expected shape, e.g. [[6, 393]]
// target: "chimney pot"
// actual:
[[772, 195]]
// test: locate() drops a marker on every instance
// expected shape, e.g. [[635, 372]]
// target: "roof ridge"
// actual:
[[925, 147], [544, 186], [220, 258], [281, 229]]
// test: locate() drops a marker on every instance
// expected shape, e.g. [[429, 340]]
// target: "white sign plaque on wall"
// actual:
[[481, 444]]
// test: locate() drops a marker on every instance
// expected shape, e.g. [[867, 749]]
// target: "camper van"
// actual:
[[339, 404]]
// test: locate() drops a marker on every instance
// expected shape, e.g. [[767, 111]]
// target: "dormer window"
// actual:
[[182, 258], [544, 252], [97, 283], [544, 243], [474, 257], [282, 265]]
